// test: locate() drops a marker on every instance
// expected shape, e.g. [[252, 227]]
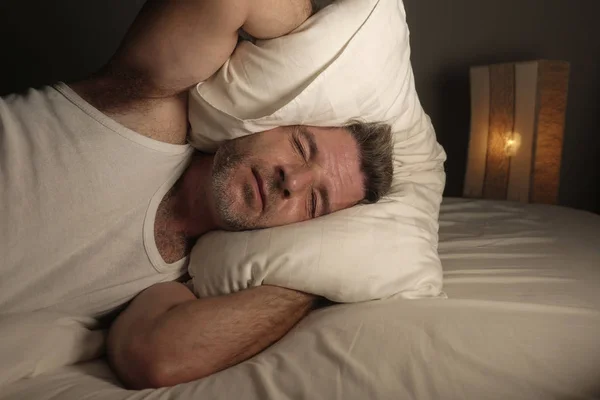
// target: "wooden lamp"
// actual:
[[517, 128]]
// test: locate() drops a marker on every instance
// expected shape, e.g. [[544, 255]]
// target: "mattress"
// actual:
[[521, 321]]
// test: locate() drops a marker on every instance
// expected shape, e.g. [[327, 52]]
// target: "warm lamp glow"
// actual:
[[513, 143], [517, 128]]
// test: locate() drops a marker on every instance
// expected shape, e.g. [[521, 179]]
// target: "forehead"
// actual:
[[338, 156]]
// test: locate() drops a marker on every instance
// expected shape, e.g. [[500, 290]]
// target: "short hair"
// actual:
[[375, 150]]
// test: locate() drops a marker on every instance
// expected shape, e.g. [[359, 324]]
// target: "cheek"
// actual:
[[287, 212], [231, 182]]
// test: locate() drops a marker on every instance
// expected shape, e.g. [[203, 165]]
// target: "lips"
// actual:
[[260, 187]]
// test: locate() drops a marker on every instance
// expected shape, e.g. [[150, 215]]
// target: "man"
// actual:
[[101, 198]]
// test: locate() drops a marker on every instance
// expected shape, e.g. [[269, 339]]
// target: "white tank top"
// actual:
[[78, 197]]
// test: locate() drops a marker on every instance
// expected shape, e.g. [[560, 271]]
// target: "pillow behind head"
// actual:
[[349, 61]]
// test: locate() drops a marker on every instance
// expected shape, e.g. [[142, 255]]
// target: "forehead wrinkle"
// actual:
[[338, 166]]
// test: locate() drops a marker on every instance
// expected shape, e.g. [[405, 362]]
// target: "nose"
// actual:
[[296, 180]]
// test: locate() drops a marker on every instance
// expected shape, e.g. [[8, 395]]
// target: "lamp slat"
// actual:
[[552, 103], [526, 75], [478, 140], [502, 105]]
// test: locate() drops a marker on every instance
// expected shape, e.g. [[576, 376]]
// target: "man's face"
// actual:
[[286, 175]]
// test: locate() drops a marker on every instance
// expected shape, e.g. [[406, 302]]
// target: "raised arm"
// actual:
[[174, 44], [171, 46], [167, 336]]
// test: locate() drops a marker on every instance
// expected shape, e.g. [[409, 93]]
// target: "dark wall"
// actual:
[[447, 37], [45, 41]]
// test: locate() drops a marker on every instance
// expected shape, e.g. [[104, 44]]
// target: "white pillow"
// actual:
[[350, 60]]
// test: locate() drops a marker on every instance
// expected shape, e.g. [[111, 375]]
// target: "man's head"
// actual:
[[291, 174]]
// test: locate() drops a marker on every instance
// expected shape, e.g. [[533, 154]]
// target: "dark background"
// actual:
[[46, 41], [449, 36]]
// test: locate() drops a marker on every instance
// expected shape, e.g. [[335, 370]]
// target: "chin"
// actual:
[[234, 191], [233, 211]]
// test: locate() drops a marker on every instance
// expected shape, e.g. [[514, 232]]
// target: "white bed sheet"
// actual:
[[522, 321]]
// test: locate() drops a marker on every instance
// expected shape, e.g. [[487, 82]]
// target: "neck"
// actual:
[[193, 198], [186, 212]]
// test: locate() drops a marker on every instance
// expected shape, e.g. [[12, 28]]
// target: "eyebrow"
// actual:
[[314, 151]]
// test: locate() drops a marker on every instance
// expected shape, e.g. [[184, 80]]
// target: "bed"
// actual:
[[522, 321]]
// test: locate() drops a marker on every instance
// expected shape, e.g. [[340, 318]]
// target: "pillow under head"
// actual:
[[349, 61]]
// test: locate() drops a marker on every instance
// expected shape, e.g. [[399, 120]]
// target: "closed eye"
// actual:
[[313, 204], [299, 147]]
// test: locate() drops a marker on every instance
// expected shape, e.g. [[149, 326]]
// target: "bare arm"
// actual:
[[174, 44], [167, 336], [171, 46]]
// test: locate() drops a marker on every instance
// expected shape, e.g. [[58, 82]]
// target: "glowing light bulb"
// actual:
[[513, 142]]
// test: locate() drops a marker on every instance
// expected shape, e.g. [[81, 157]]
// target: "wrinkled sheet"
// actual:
[[522, 321]]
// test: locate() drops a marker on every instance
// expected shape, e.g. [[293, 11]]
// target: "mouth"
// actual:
[[260, 188]]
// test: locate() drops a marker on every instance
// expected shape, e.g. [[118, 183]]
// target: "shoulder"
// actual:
[[126, 100]]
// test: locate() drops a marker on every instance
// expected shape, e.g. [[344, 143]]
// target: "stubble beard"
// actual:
[[227, 159]]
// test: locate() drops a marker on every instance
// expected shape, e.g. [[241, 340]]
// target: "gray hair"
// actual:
[[375, 147]]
